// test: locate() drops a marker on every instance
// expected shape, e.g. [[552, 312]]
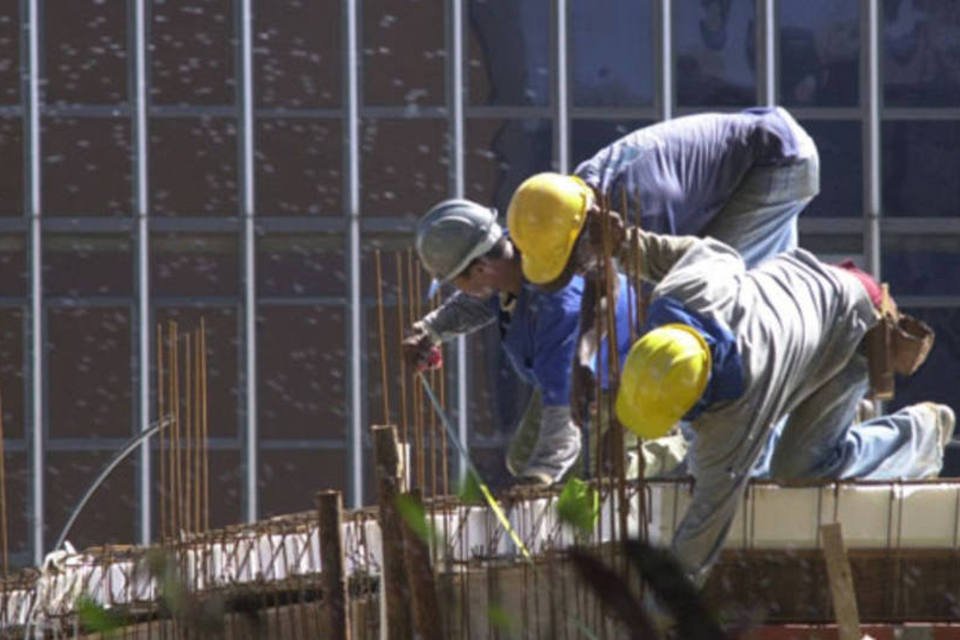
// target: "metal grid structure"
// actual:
[[358, 223]]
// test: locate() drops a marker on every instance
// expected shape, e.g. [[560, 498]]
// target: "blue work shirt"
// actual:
[[679, 174], [541, 335]]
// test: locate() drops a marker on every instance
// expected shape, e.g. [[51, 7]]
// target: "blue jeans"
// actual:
[[760, 218], [821, 441]]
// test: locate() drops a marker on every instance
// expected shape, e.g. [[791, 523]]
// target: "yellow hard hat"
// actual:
[[545, 217], [664, 375]]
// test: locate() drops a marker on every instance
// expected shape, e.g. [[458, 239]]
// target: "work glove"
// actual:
[[420, 351]]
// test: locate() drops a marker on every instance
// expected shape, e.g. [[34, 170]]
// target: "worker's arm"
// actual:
[[650, 255], [458, 315]]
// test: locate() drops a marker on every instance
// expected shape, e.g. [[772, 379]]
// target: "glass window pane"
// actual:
[[12, 176], [86, 166], [297, 53], [922, 265], [298, 167], [841, 169], [87, 265], [834, 247], [14, 273], [280, 470], [89, 363], [300, 265], [222, 344], [921, 53], [612, 53], [404, 165], [10, 53], [301, 358], [185, 264], [820, 52], [84, 44], [403, 52], [500, 154], [111, 515], [12, 365], [192, 52], [590, 136], [916, 156], [715, 52], [193, 166], [508, 52]]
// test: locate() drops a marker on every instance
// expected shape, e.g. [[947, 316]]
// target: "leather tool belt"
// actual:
[[898, 343]]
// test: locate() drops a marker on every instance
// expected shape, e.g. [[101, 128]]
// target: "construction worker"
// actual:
[[734, 350], [741, 178], [460, 242]]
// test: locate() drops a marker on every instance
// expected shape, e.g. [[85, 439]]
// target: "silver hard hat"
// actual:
[[452, 234]]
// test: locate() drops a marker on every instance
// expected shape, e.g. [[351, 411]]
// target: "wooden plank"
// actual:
[[396, 593], [333, 565], [841, 582]]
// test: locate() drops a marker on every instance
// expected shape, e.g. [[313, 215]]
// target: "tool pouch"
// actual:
[[877, 343], [910, 344]]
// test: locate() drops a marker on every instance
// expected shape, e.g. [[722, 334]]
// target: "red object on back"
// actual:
[[868, 282]]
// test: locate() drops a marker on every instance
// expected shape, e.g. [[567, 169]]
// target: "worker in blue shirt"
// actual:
[[460, 242]]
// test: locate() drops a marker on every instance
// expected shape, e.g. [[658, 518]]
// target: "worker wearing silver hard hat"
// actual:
[[461, 242]]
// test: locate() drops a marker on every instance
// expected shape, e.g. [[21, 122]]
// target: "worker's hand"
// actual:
[[420, 352], [595, 223]]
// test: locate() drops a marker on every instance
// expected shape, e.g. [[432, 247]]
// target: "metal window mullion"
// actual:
[[663, 57], [352, 212], [870, 84], [766, 52], [141, 185], [33, 204], [458, 164], [561, 94], [249, 256]]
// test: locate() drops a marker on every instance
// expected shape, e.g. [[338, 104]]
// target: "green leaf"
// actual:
[[469, 492], [500, 619], [415, 516], [96, 618], [579, 505]]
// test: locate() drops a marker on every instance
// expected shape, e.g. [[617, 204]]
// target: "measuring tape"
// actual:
[[484, 489]]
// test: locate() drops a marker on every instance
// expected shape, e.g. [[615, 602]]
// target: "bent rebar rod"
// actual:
[[129, 447]]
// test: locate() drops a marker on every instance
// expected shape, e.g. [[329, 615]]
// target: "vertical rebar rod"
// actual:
[[197, 439], [161, 414], [401, 324], [204, 427], [384, 389], [176, 507], [417, 395], [188, 479], [4, 548]]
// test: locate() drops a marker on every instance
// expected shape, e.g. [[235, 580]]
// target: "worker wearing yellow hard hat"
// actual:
[[736, 350]]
